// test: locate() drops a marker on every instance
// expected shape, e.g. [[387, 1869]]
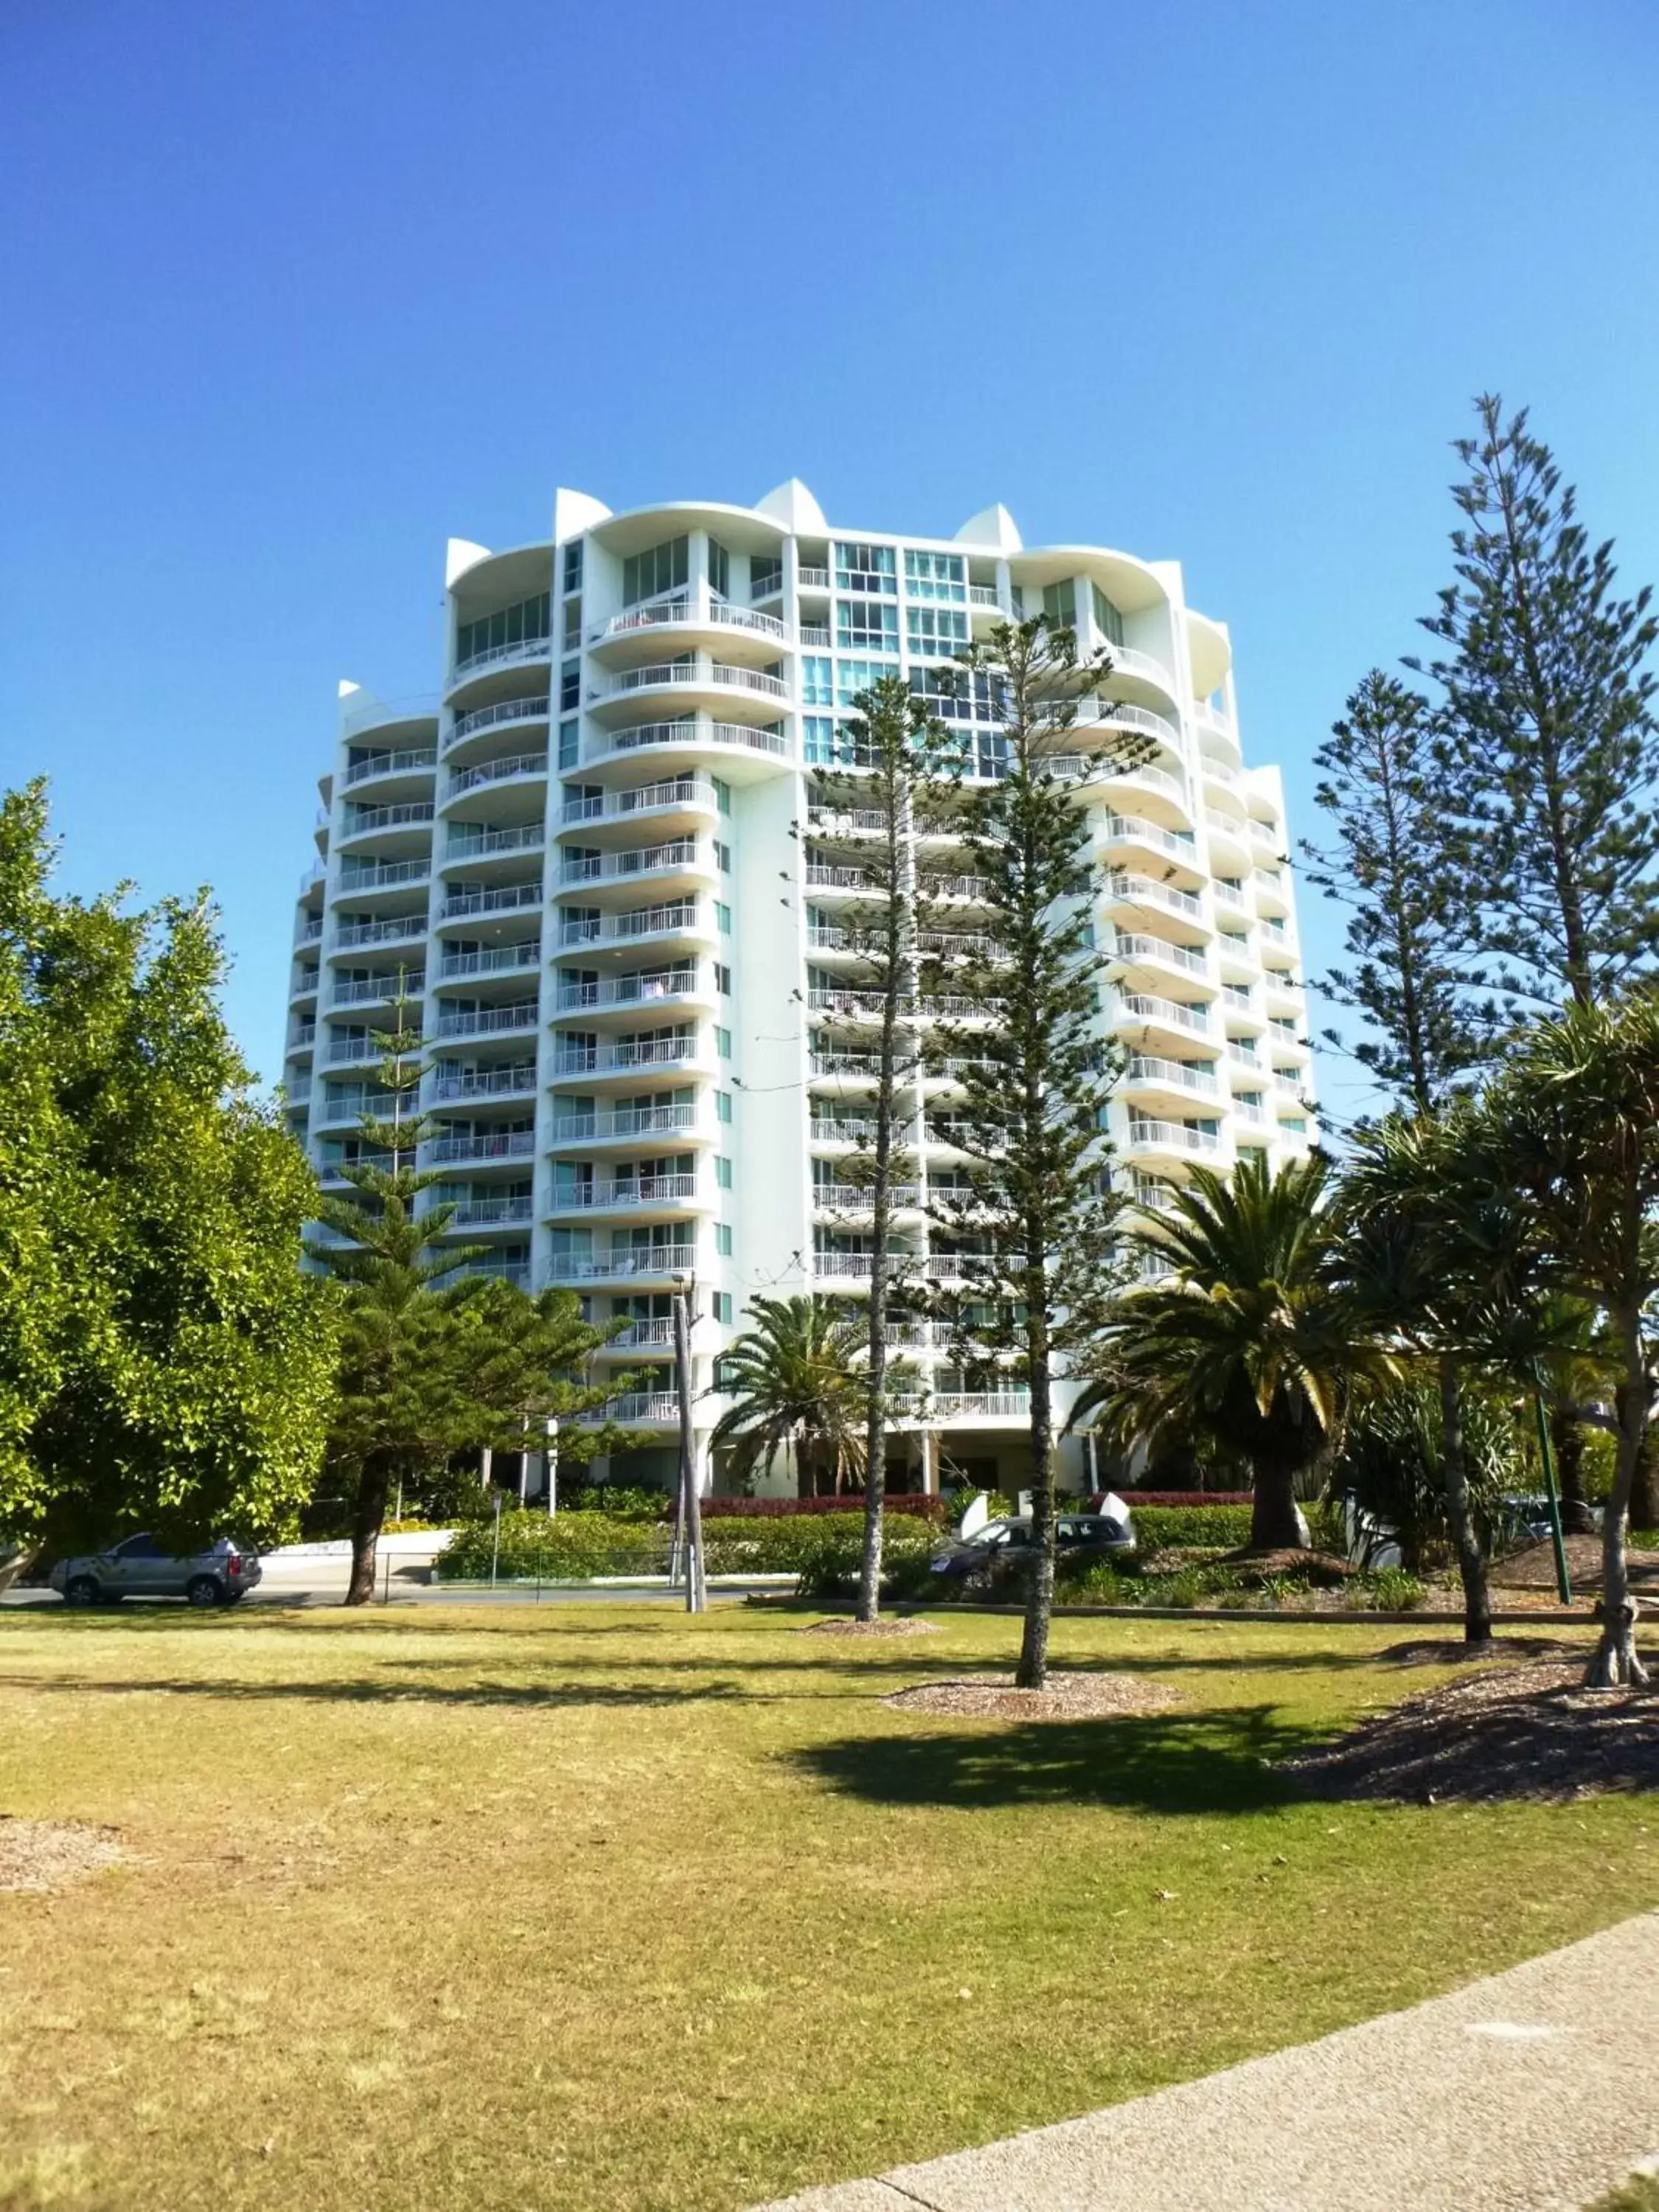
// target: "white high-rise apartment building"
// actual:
[[603, 861]]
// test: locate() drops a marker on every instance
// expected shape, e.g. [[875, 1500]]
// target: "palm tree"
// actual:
[[794, 1387], [1252, 1338]]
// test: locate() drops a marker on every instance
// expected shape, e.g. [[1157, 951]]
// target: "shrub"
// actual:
[[619, 1501], [568, 1547], [1396, 1590], [1190, 1528], [913, 1503]]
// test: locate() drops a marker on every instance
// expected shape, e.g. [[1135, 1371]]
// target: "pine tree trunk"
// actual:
[[373, 1485], [1567, 1443], [1032, 1673], [1615, 1659], [1454, 1480]]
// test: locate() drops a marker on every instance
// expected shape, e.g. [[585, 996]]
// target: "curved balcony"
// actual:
[[517, 653], [628, 1125], [616, 1000], [685, 864], [381, 880], [1141, 675], [377, 990], [1147, 1074], [401, 828], [632, 1197], [502, 1148], [494, 965], [355, 937], [688, 615], [476, 1216], [405, 768], [690, 798], [629, 1062], [699, 682], [1231, 834], [519, 778], [1134, 836], [1238, 1009], [676, 922], [738, 749], [636, 1263], [483, 1086], [1131, 949], [521, 1019], [1133, 893], [470, 731], [1147, 1134], [482, 851], [489, 905], [1163, 1022], [1271, 893]]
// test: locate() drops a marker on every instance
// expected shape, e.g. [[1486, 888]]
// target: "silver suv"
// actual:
[[138, 1567]]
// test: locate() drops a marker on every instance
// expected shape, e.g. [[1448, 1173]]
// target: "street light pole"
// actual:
[[696, 1598]]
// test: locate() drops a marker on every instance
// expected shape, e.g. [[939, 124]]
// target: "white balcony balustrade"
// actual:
[[490, 718]]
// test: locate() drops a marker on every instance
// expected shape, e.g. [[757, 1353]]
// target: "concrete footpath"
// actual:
[[1534, 2091]]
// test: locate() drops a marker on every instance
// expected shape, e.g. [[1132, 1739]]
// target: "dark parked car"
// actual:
[[998, 1546], [139, 1567]]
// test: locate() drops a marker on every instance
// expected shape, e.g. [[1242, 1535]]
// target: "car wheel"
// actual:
[[83, 1591], [203, 1590]]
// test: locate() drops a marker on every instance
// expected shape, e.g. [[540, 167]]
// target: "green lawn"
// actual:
[[591, 1908]]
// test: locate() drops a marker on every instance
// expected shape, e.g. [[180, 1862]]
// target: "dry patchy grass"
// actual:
[[598, 1908]]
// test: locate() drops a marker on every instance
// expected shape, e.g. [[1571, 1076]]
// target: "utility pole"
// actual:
[[697, 1596], [552, 1468]]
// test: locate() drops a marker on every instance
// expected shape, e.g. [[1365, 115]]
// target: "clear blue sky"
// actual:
[[293, 289]]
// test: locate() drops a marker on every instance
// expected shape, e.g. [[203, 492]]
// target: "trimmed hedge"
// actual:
[[913, 1502], [1189, 1527], [819, 1549], [1136, 1498]]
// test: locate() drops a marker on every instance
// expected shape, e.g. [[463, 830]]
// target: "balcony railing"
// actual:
[[390, 931], [699, 671], [497, 771], [626, 1190], [1118, 828], [643, 860], [685, 608], [646, 1052], [467, 844], [382, 877], [642, 921], [399, 763], [1144, 1069], [516, 1272], [1148, 1009], [1172, 1134], [377, 988], [983, 595], [639, 1406], [1129, 946], [677, 791], [487, 718], [507, 1144], [852, 1198], [494, 960], [491, 1212], [633, 1261], [504, 899], [628, 990], [485, 1083], [813, 579], [981, 1405], [820, 876], [1120, 885], [624, 1121], [490, 1021], [497, 656], [360, 820], [691, 732], [311, 932]]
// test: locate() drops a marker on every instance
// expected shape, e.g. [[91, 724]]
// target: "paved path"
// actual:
[[1532, 2091]]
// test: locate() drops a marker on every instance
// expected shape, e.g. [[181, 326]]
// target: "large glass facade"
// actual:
[[866, 569], [525, 619], [935, 576], [664, 568]]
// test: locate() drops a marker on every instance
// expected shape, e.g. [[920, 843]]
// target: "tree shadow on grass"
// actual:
[[1223, 1762], [362, 1691]]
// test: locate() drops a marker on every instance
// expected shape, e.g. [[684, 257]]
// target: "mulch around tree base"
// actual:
[[1526, 1731], [49, 1855], [1065, 1698], [1453, 1651], [901, 1626]]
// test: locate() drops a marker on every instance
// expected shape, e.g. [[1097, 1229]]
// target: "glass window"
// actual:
[[816, 690], [722, 1173], [1059, 605], [853, 677], [722, 1044], [1108, 621], [722, 1106], [723, 1239], [723, 858], [866, 626], [568, 745], [722, 980], [765, 575], [956, 695], [573, 623], [722, 795], [723, 1306], [866, 569], [935, 576], [664, 568], [941, 633], [570, 686], [573, 565], [722, 919], [526, 621], [719, 568]]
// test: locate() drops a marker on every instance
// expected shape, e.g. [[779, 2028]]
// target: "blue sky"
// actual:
[[297, 288]]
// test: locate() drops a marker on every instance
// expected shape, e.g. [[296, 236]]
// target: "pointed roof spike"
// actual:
[[992, 526], [574, 512], [346, 688], [793, 507], [460, 553]]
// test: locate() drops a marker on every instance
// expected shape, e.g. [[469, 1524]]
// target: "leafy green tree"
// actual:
[[1573, 1125], [164, 1362], [793, 1385], [1390, 1460], [893, 789], [1397, 869], [1035, 1210], [433, 1363], [1549, 709], [1253, 1336]]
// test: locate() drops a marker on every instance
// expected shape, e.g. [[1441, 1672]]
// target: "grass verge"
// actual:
[[604, 1908]]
